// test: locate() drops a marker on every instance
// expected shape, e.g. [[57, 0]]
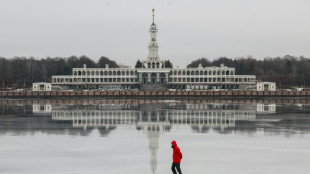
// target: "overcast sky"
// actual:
[[188, 29]]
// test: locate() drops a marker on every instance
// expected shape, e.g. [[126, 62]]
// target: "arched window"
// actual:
[[162, 77], [144, 78]]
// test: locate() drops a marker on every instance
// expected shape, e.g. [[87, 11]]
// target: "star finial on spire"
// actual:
[[153, 10]]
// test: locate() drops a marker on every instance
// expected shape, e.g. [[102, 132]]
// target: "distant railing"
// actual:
[[154, 94]]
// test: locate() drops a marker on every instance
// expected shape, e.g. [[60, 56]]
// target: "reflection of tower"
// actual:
[[153, 136], [153, 123], [154, 119]]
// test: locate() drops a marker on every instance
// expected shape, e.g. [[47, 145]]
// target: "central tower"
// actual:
[[153, 46], [153, 75], [153, 60]]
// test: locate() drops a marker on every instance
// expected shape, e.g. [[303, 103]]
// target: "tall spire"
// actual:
[[153, 10], [153, 46]]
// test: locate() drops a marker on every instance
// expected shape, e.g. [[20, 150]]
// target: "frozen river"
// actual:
[[134, 136]]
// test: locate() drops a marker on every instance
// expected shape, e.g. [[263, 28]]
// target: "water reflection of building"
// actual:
[[266, 108], [205, 115], [41, 108], [284, 118], [161, 119], [156, 119]]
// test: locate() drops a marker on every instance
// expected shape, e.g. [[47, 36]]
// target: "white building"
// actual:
[[266, 108], [266, 86], [40, 108], [41, 86], [156, 75]]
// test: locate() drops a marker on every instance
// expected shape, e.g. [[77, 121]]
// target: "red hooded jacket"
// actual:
[[177, 155]]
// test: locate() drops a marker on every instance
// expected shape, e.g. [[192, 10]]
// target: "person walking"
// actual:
[[177, 156]]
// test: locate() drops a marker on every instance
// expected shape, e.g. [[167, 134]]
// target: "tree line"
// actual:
[[22, 71], [286, 71]]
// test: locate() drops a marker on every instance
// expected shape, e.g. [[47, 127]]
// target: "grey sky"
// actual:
[[188, 29]]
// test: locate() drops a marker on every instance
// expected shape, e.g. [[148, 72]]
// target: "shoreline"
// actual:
[[120, 101], [160, 94]]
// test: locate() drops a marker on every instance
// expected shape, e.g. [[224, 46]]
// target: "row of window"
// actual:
[[97, 73], [208, 121], [101, 80], [80, 114], [212, 80], [153, 65], [123, 73], [103, 122], [129, 115], [203, 72], [199, 114], [93, 80], [217, 122]]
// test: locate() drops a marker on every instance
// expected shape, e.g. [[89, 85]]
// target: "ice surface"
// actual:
[[274, 143]]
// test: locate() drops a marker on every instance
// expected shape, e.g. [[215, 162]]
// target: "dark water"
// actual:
[[133, 136]]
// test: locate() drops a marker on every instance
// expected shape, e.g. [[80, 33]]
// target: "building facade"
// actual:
[[266, 86], [41, 86], [155, 75]]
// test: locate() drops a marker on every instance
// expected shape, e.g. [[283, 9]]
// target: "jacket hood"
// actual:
[[174, 143]]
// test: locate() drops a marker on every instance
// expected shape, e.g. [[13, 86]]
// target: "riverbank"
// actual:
[[156, 94], [101, 101]]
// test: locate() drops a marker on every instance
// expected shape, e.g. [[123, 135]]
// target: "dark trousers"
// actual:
[[176, 165]]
